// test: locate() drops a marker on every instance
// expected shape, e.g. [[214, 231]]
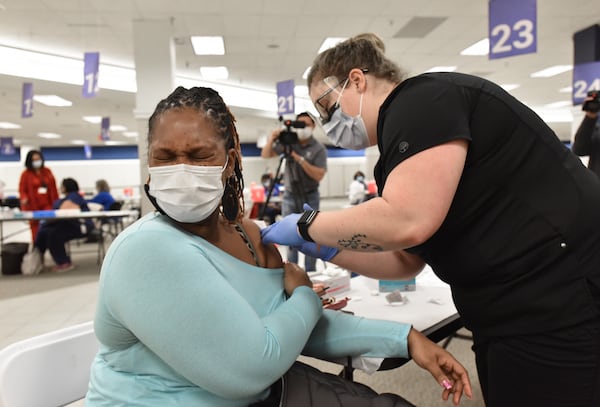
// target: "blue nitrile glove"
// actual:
[[313, 249], [319, 251], [285, 231]]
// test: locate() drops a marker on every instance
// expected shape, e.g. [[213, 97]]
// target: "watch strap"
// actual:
[[304, 222]]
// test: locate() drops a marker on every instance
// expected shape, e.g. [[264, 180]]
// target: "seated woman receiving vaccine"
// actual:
[[194, 310]]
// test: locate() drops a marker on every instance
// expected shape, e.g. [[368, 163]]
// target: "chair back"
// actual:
[[115, 206], [52, 369]]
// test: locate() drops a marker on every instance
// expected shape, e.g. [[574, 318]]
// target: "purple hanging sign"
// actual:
[[512, 27], [285, 97], [105, 129], [27, 103], [91, 65], [586, 77], [7, 147]]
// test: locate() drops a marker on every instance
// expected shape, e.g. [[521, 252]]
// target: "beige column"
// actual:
[[154, 54]]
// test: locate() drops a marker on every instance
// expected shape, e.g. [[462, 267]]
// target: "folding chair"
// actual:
[[52, 369]]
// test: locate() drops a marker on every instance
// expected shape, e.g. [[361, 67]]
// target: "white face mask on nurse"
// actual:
[[342, 129]]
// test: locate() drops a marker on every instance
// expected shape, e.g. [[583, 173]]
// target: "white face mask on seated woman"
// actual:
[[186, 193]]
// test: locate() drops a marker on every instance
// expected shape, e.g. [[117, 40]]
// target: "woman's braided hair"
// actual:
[[208, 102]]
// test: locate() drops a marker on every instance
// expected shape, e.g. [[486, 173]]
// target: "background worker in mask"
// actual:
[[194, 310], [305, 167], [475, 184], [37, 187]]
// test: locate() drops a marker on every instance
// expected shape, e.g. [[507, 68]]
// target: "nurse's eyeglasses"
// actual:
[[332, 82]]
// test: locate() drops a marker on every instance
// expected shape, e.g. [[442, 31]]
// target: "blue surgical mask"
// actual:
[[346, 131]]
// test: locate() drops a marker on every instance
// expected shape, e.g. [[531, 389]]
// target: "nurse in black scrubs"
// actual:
[[475, 184]]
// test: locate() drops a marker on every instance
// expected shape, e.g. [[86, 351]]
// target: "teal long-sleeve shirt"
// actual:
[[180, 323]]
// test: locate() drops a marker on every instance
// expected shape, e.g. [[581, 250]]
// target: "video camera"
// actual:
[[288, 137], [593, 105]]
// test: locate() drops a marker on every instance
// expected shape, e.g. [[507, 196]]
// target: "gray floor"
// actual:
[[32, 305]]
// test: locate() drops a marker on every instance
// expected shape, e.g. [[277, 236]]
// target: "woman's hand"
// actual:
[[294, 276], [445, 369]]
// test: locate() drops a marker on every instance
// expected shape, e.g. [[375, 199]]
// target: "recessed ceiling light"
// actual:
[[306, 72], [567, 89], [208, 45], [329, 43], [49, 135], [92, 119], [113, 142], [509, 86], [26, 64], [214, 72], [79, 142], [481, 47], [117, 127], [130, 133], [441, 69], [551, 71], [52, 100], [9, 125]]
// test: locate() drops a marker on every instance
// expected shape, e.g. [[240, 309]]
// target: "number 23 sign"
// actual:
[[512, 27]]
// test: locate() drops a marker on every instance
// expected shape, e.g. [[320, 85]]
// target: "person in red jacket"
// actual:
[[37, 187]]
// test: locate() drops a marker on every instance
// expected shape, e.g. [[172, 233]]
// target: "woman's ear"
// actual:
[[232, 158], [358, 79]]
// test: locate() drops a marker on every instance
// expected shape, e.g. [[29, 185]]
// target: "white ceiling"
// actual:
[[266, 41]]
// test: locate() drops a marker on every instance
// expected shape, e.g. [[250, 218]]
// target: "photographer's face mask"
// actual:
[[304, 133], [346, 131], [186, 193]]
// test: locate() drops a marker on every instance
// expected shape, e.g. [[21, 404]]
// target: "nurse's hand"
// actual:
[[283, 232]]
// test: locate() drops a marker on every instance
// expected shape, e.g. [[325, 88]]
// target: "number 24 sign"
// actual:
[[512, 27], [586, 77]]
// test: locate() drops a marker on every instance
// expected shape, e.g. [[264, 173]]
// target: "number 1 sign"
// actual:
[[512, 27], [91, 65]]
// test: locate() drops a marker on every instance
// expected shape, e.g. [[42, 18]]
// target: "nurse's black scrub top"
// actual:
[[520, 245]]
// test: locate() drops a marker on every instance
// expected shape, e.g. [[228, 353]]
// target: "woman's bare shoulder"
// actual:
[[268, 254]]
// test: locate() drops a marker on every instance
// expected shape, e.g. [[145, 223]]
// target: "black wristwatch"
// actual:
[[304, 222]]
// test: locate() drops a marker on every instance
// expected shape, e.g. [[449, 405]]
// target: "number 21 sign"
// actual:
[[512, 27]]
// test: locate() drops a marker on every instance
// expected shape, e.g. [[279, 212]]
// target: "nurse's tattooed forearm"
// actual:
[[356, 243]]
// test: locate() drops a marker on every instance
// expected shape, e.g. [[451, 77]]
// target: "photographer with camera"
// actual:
[[587, 137], [305, 167]]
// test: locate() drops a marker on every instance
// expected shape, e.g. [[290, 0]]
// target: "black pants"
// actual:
[[555, 369], [54, 235]]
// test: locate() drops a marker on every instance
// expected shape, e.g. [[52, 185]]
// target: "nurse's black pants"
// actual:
[[555, 369]]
